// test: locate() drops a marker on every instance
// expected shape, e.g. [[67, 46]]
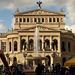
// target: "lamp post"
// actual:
[[7, 55], [24, 55]]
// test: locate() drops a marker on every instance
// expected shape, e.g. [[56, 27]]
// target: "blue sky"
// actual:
[[8, 8]]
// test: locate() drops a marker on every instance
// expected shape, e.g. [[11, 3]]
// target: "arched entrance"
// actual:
[[23, 44], [49, 60]]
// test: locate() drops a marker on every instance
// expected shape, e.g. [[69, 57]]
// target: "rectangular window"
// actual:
[[3, 46], [53, 19], [38, 20], [20, 19], [27, 19], [42, 19], [24, 20], [50, 20], [57, 19], [34, 19], [9, 46]]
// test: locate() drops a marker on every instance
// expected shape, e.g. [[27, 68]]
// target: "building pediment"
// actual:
[[39, 12], [41, 28]]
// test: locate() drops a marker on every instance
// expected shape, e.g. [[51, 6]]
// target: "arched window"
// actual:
[[47, 44], [63, 46], [50, 20], [40, 45], [49, 60], [9, 46], [55, 44], [15, 45], [23, 44], [15, 59], [69, 46], [30, 44], [57, 19], [42, 19], [27, 19], [24, 20], [63, 61], [20, 19], [53, 19]]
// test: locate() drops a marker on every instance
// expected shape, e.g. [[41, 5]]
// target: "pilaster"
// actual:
[[43, 43], [59, 44], [12, 45], [19, 44], [50, 42]]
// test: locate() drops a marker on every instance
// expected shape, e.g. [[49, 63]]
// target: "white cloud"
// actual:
[[2, 27], [70, 27], [13, 21]]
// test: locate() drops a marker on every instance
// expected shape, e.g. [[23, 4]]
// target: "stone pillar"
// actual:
[[19, 44], [26, 62], [43, 43], [50, 42], [52, 62], [26, 43], [12, 45], [59, 44], [33, 63]]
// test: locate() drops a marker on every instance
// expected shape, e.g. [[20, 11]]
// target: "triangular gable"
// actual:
[[39, 12], [41, 28]]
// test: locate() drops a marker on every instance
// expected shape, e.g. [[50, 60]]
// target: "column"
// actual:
[[52, 62], [19, 44], [26, 43], [50, 42], [59, 44], [43, 43], [12, 45]]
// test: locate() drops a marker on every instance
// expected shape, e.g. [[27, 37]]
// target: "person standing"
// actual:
[[38, 70]]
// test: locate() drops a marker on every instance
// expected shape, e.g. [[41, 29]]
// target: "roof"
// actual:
[[39, 12]]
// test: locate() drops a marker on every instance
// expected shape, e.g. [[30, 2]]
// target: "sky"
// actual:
[[8, 9]]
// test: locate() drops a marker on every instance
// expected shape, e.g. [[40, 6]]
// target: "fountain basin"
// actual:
[[36, 58]]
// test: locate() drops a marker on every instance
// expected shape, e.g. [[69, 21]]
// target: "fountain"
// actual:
[[36, 58]]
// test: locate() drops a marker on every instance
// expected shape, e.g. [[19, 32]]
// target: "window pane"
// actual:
[[24, 20], [3, 46], [53, 19], [20, 19], [34, 19], [9, 46], [50, 20], [57, 19], [42, 19], [27, 19]]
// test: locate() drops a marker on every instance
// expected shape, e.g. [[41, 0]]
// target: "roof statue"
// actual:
[[61, 10], [39, 3], [17, 10]]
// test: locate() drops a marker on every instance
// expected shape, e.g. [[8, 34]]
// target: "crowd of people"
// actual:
[[40, 69]]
